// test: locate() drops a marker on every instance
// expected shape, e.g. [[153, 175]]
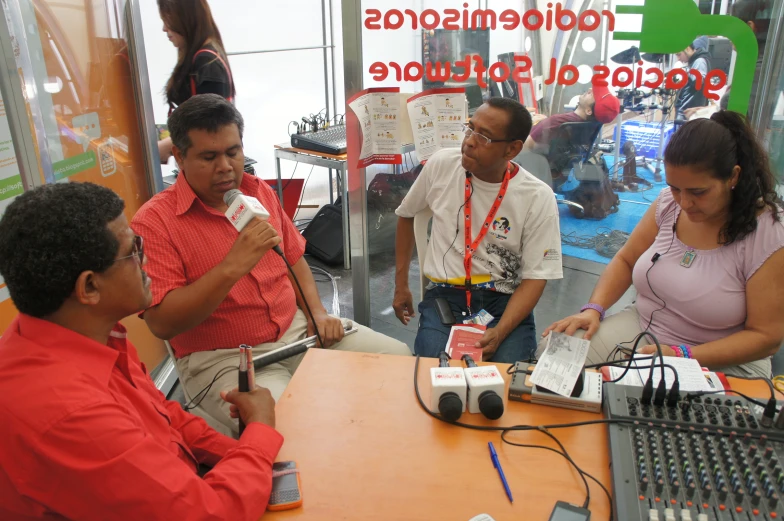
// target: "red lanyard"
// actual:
[[471, 246]]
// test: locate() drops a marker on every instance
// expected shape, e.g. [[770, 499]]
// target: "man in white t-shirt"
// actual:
[[519, 251]]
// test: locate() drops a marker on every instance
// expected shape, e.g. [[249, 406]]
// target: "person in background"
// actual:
[[216, 288], [706, 259], [510, 265], [202, 65], [756, 14], [694, 57], [86, 434], [596, 104]]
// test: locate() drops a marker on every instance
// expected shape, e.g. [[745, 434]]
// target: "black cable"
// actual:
[[457, 231], [518, 428], [691, 396], [766, 380], [653, 263], [203, 393], [291, 178], [607, 492], [304, 300], [562, 453]]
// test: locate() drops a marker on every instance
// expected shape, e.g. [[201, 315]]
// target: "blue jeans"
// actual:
[[432, 334]]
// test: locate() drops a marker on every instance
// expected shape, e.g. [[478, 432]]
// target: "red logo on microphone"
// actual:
[[239, 211]]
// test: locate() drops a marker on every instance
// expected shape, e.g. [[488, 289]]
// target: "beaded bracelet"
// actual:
[[685, 350], [677, 351]]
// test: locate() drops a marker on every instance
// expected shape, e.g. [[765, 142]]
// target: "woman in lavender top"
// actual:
[[706, 260]]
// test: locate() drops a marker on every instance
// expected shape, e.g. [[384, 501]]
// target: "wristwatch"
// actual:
[[595, 307]]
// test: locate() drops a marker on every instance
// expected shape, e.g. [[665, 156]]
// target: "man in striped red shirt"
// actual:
[[216, 289]]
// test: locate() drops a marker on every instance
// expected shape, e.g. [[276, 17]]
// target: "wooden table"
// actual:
[[367, 451]]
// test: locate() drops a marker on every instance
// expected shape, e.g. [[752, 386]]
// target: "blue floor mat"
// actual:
[[633, 206]]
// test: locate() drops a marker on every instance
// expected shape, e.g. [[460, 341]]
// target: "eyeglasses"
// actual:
[[484, 140], [138, 250]]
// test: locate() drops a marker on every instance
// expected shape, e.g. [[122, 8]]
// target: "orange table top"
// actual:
[[367, 451]]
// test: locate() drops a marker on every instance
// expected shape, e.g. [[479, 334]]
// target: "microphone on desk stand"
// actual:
[[485, 389], [448, 389]]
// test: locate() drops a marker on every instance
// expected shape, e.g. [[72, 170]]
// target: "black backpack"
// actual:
[[324, 234]]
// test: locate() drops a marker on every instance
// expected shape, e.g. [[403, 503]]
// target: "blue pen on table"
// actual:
[[497, 465]]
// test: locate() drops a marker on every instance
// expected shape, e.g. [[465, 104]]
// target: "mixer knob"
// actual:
[[773, 500], [659, 486], [676, 487], [706, 490], [755, 498], [739, 495], [753, 450], [644, 484], [723, 493], [690, 489], [757, 460]]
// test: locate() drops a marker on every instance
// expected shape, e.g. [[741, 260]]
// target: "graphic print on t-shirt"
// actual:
[[510, 263], [501, 228]]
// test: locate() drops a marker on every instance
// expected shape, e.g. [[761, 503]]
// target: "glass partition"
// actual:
[[83, 110], [604, 165], [10, 187]]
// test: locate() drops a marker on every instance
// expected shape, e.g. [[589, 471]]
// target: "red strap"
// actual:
[[471, 246], [228, 71]]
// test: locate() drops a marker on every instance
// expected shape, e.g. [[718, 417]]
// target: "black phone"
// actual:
[[444, 311], [563, 511]]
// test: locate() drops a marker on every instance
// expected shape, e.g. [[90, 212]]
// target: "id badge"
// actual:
[[482, 318]]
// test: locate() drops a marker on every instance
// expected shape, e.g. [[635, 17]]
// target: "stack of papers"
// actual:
[[561, 363], [691, 377]]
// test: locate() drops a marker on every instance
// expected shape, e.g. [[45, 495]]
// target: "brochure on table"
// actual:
[[437, 117], [379, 115]]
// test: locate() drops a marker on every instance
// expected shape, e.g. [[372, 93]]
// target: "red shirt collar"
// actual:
[[93, 357], [186, 196]]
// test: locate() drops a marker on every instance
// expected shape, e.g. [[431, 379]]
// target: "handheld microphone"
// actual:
[[448, 389], [485, 388], [247, 377], [243, 208]]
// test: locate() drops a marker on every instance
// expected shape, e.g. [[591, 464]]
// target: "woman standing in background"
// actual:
[[202, 66]]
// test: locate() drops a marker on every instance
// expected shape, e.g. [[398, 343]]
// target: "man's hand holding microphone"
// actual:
[[254, 406], [256, 235]]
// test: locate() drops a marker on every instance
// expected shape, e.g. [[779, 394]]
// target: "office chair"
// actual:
[[572, 143], [538, 165], [572, 146]]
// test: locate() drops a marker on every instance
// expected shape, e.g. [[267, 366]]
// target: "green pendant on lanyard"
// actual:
[[471, 246]]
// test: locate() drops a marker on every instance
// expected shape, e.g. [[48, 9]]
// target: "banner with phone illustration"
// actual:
[[437, 117], [378, 112]]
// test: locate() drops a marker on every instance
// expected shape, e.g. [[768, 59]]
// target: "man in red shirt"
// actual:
[[596, 104], [85, 434], [216, 289]]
